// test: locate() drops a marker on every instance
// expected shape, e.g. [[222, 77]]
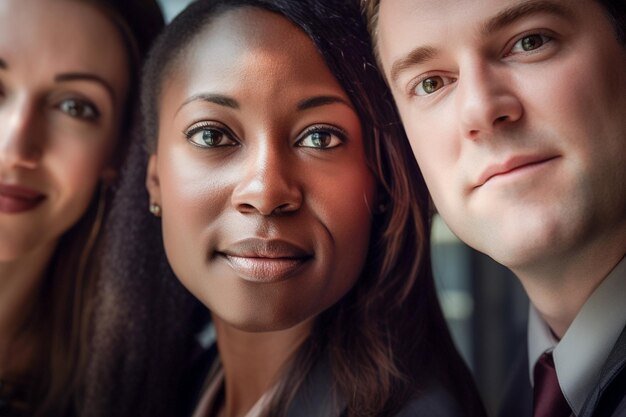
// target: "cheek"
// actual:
[[193, 197], [436, 150], [346, 211], [75, 170], [587, 98]]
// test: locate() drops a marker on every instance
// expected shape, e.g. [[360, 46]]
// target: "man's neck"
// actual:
[[560, 288]]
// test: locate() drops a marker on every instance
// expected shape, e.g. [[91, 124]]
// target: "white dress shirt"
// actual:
[[587, 343]]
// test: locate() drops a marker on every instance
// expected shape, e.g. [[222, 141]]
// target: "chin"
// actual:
[[261, 321], [12, 249], [528, 245]]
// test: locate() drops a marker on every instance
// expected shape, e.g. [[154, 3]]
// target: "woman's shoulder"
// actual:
[[433, 401]]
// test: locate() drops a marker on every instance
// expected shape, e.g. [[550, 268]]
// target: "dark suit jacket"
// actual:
[[316, 397], [608, 399]]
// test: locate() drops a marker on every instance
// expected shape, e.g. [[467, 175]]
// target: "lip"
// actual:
[[512, 165], [17, 199], [265, 261]]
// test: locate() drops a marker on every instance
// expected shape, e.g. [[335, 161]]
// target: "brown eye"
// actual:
[[79, 109], [531, 42], [321, 139], [211, 137], [206, 136]]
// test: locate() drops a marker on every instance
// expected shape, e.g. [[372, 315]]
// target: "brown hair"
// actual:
[[62, 320], [615, 10], [386, 340], [370, 9]]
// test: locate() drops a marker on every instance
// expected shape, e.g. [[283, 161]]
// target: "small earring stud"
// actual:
[[155, 209]]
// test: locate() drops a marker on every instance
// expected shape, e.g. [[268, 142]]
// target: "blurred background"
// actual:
[[172, 7], [484, 303]]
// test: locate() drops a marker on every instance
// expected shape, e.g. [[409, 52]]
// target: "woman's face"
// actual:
[[261, 174], [63, 84]]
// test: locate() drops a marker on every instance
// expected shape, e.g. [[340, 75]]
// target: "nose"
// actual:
[[20, 146], [267, 185], [487, 101]]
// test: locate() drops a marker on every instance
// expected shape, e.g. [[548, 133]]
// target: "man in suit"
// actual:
[[516, 113]]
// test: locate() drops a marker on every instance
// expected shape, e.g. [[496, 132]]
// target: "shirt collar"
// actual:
[[581, 353]]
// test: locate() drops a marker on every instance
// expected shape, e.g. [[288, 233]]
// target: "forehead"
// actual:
[[420, 30], [251, 60], [465, 11], [446, 21], [55, 36]]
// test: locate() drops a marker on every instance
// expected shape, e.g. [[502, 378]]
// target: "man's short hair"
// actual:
[[370, 9], [615, 9]]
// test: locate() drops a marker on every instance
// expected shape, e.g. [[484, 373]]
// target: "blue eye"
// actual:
[[207, 136], [80, 109], [321, 138]]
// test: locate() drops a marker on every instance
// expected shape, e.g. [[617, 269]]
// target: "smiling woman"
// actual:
[[302, 157], [289, 206], [65, 100]]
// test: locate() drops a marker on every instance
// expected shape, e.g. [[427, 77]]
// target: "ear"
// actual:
[[152, 180]]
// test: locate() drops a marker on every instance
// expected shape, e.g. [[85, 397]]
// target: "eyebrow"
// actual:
[[318, 101], [218, 99], [417, 56], [83, 76], [522, 10], [423, 54]]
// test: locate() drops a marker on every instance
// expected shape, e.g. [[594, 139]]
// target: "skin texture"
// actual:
[[42, 145], [523, 150], [263, 183], [59, 125], [268, 182]]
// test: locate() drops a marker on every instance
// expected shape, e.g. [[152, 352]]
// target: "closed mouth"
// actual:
[[17, 199], [510, 166], [265, 269], [266, 261]]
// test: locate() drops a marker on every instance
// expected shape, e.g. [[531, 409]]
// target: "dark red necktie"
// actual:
[[548, 400]]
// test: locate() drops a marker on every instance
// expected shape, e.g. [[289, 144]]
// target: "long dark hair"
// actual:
[[62, 320], [386, 339]]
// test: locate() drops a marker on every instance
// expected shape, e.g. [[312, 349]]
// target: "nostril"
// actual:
[[502, 119], [284, 208], [246, 208]]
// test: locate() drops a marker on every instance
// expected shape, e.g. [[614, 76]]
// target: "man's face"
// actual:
[[516, 113]]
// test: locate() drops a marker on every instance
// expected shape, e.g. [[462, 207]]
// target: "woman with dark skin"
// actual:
[[68, 77], [291, 208]]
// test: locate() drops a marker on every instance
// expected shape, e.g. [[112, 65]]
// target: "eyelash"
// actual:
[[544, 34], [415, 83], [208, 126], [335, 131], [86, 105]]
